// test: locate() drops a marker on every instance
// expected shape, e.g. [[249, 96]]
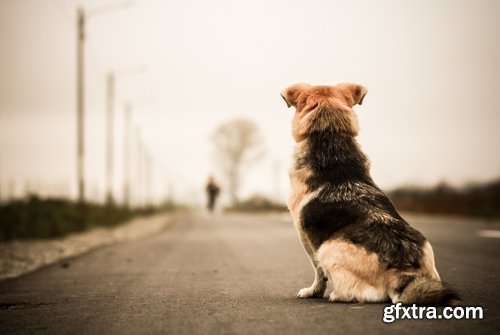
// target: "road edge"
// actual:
[[20, 257]]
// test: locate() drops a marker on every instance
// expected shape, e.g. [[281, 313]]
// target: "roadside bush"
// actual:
[[482, 200], [35, 217]]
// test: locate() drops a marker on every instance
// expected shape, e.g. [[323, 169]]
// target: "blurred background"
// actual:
[[136, 103]]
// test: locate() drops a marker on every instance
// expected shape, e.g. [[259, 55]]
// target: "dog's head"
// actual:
[[323, 108]]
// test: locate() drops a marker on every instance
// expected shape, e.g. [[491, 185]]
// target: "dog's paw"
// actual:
[[333, 297], [310, 292]]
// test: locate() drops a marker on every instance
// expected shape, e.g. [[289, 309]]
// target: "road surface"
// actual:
[[234, 275]]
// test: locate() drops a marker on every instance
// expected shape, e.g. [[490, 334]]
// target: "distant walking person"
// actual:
[[212, 193]]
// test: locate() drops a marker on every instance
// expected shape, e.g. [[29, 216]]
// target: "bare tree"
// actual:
[[238, 145]]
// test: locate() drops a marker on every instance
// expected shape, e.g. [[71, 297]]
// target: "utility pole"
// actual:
[[80, 96], [112, 78], [126, 155], [139, 158], [149, 178], [145, 178], [80, 160], [109, 139]]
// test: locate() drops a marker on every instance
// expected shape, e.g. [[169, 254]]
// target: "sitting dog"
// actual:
[[353, 235]]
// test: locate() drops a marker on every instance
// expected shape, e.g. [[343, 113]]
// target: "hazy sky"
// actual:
[[432, 69]]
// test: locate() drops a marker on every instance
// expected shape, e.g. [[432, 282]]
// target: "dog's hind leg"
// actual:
[[355, 274], [318, 287]]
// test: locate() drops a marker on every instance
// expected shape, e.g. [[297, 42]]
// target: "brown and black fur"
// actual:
[[347, 225]]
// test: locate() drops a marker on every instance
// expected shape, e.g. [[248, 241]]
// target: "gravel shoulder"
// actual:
[[20, 257]]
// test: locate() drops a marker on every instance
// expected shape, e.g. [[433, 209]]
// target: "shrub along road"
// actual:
[[234, 275]]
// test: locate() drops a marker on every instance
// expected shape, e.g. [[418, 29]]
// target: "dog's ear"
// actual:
[[353, 93], [291, 94]]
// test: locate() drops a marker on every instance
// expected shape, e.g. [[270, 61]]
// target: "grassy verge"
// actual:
[[35, 217]]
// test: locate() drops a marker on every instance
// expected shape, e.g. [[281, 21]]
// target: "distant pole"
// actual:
[[80, 160], [139, 155], [170, 191], [145, 179], [149, 178], [145, 176], [126, 155], [80, 98], [109, 138]]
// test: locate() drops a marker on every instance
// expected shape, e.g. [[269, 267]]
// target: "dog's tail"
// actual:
[[422, 290]]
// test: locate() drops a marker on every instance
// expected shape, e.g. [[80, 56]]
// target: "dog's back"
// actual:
[[359, 240]]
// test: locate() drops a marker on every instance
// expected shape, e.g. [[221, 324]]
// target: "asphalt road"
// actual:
[[234, 275]]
